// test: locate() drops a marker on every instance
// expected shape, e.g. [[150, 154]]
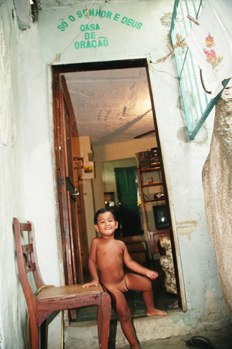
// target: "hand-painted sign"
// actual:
[[91, 40]]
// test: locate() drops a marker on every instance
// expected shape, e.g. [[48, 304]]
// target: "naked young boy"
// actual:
[[110, 256]]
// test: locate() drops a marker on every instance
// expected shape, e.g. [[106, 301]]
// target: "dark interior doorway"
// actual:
[[127, 188], [159, 291]]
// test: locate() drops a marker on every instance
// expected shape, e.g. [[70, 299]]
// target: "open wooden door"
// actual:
[[71, 246]]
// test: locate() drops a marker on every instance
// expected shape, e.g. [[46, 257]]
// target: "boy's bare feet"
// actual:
[[157, 312]]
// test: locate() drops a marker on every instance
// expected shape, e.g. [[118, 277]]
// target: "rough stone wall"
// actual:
[[217, 183]]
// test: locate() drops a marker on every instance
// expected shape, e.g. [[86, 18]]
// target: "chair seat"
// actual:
[[48, 299], [69, 291]]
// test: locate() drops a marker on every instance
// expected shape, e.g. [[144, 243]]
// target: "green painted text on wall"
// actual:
[[101, 14]]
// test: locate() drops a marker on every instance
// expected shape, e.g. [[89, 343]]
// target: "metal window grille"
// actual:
[[196, 99]]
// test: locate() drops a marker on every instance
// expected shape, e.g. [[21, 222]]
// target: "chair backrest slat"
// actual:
[[27, 250], [25, 226], [26, 258]]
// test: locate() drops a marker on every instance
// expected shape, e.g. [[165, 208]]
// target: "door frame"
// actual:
[[68, 217], [173, 233], [138, 63]]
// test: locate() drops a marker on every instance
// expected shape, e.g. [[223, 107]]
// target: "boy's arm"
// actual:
[[138, 268], [92, 263]]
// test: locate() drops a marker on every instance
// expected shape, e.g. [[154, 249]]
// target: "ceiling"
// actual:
[[111, 106]]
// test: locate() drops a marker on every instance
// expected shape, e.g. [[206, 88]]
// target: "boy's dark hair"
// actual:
[[103, 210]]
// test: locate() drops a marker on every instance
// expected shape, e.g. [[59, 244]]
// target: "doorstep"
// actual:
[[83, 335]]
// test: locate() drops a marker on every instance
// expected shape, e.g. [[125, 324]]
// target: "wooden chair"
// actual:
[[50, 298], [154, 236]]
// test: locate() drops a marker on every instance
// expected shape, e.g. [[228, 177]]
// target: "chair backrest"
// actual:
[[26, 258]]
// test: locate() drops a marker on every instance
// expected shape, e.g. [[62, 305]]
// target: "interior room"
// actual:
[[110, 170]]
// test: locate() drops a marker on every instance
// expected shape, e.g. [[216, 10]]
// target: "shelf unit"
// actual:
[[154, 235]]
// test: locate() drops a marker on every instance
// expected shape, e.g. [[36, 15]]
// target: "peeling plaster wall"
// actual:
[[23, 13], [27, 160], [12, 304], [38, 163], [183, 159], [26, 171]]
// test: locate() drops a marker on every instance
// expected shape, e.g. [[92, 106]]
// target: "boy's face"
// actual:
[[106, 224]]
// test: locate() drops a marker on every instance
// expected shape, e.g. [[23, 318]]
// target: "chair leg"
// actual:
[[103, 320], [34, 334], [99, 323], [44, 334]]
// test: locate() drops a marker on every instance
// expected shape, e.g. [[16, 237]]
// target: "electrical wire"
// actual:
[[163, 71]]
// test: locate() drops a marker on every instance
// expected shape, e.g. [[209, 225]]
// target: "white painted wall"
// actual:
[[183, 159], [27, 162], [108, 174], [12, 303], [26, 175], [37, 160]]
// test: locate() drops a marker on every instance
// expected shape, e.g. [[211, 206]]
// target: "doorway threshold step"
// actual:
[[83, 335]]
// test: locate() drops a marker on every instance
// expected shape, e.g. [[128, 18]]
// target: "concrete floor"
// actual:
[[82, 333], [221, 339]]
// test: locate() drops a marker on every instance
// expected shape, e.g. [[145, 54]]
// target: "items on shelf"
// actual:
[[159, 195], [152, 191], [149, 158]]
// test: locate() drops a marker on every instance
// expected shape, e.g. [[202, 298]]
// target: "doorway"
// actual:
[[127, 189], [106, 126]]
